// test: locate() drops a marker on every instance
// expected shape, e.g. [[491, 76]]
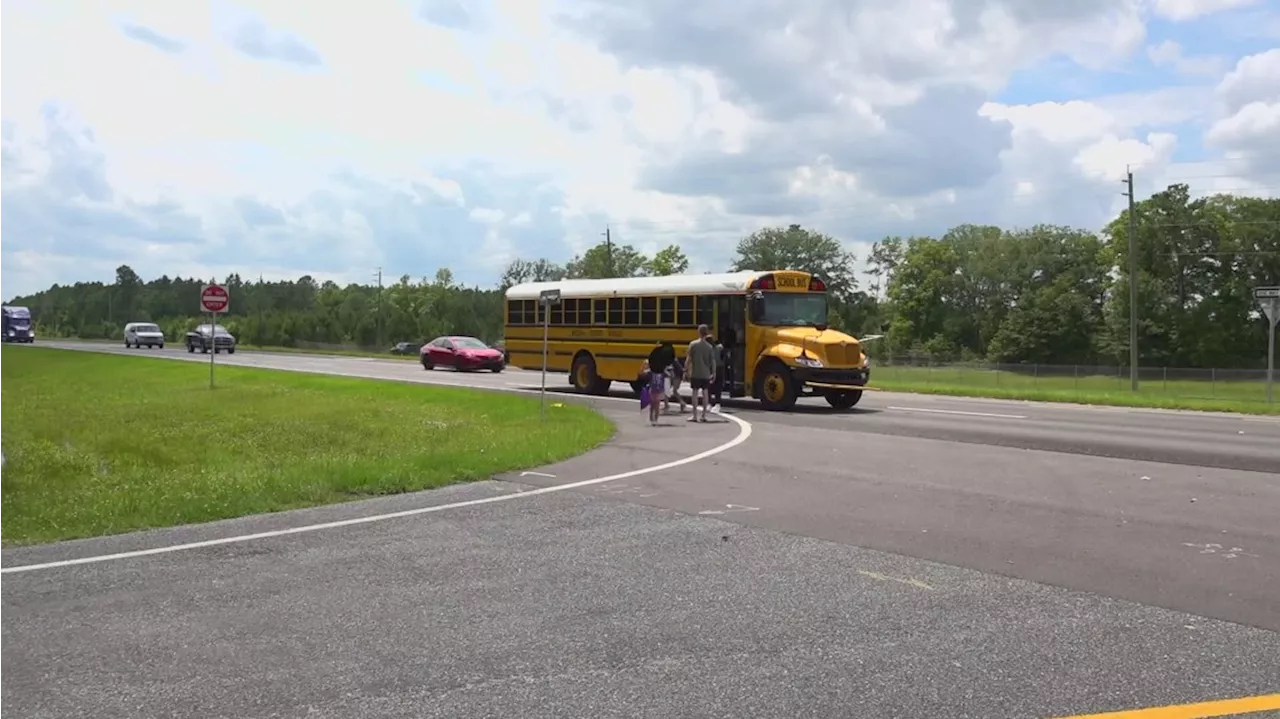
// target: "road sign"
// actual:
[[549, 297], [1271, 308], [214, 298], [1269, 298]]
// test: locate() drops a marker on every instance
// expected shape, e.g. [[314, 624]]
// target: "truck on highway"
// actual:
[[773, 324], [17, 324], [208, 337]]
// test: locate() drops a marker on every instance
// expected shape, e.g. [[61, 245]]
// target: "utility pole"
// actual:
[[608, 249], [1133, 282], [377, 318]]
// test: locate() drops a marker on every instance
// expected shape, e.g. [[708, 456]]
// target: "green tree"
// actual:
[[796, 248], [607, 260], [668, 261], [521, 271]]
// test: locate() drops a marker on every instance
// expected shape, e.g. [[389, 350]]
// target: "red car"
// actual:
[[460, 353]]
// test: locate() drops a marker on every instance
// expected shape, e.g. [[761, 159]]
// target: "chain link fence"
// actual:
[[1238, 385]]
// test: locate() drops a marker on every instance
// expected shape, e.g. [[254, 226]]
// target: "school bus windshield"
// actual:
[[789, 309]]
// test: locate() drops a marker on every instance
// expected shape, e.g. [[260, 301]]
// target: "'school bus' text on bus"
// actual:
[[773, 323]]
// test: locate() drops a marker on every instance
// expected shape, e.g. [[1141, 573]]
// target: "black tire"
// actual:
[[191, 348], [231, 350], [161, 345], [775, 387], [844, 400], [427, 364], [583, 374], [497, 369]]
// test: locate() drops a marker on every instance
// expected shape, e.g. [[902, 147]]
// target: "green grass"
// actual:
[[99, 444], [1225, 392]]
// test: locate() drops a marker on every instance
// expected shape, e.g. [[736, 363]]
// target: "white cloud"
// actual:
[[1181, 10], [1170, 54], [259, 138]]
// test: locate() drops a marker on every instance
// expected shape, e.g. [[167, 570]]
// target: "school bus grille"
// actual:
[[843, 356]]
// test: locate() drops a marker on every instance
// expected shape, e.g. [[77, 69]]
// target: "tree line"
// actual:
[[1044, 294]]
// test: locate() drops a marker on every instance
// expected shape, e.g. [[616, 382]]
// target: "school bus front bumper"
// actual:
[[833, 378]]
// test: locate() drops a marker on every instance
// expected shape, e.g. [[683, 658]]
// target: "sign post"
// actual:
[[215, 300], [547, 299], [1269, 298]]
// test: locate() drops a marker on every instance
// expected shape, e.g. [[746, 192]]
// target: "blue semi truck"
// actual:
[[17, 325]]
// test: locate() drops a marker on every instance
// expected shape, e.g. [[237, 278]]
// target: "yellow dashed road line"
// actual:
[[1199, 710]]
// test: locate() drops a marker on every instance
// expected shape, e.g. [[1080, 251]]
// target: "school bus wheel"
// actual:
[[843, 399], [775, 386], [584, 377]]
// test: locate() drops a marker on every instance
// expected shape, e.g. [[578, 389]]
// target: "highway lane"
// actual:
[[1146, 505]]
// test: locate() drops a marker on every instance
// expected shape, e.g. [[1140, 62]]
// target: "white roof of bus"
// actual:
[[667, 285]]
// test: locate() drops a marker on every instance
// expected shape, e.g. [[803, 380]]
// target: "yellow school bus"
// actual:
[[774, 325]]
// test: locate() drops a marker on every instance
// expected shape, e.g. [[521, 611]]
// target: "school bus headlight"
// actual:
[[805, 361]]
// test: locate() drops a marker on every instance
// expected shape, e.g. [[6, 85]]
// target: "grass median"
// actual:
[[1064, 385], [99, 444]]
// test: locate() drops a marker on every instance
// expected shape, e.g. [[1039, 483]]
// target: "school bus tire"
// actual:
[[843, 399], [775, 387], [583, 375]]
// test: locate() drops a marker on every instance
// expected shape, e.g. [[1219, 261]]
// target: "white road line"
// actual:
[[959, 412], [744, 432]]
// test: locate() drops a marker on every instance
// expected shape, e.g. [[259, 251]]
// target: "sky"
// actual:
[[277, 138]]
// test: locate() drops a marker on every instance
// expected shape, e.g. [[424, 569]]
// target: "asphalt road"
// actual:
[[1084, 559]]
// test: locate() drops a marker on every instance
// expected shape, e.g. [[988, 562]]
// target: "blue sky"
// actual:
[[269, 139]]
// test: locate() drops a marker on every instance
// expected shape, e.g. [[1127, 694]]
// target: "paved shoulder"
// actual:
[[567, 607]]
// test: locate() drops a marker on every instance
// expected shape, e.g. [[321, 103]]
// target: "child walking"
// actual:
[[651, 391]]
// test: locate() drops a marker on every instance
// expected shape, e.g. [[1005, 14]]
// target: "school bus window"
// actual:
[[557, 315], [615, 310], [649, 311], [530, 312], [581, 312], [684, 311], [568, 311], [705, 314], [600, 313], [666, 310], [632, 307]]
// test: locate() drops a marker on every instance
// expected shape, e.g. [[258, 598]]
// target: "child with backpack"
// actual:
[[651, 386]]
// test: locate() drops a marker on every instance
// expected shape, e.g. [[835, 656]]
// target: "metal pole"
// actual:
[[546, 331], [1271, 348], [213, 340], [1133, 289]]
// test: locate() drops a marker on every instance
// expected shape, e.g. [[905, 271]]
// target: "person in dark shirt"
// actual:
[[662, 360], [661, 357]]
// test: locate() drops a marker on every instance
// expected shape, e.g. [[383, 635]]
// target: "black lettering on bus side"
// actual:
[[791, 282]]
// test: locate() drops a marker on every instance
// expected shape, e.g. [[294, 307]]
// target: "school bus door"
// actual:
[[729, 323]]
